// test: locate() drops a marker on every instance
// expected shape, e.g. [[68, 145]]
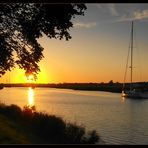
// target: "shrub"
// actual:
[[12, 111], [48, 128], [74, 134], [92, 137]]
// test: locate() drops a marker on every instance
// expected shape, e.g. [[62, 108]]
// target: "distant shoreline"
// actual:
[[108, 87]]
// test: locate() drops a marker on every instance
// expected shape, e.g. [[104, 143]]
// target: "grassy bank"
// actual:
[[27, 126]]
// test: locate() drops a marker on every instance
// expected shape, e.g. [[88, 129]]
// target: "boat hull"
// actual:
[[134, 94]]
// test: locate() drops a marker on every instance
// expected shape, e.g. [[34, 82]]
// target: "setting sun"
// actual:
[[30, 78]]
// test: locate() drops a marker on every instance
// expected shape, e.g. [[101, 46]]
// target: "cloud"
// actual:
[[124, 18], [135, 15], [123, 12], [141, 15], [85, 25], [108, 8], [112, 9]]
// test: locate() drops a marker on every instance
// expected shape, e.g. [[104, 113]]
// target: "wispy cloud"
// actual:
[[85, 25], [122, 12], [141, 15], [136, 15], [112, 9], [108, 8]]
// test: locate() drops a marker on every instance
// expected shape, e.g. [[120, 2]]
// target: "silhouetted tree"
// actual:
[[111, 82], [21, 24]]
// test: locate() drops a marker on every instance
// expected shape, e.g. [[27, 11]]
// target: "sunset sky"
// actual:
[[98, 49]]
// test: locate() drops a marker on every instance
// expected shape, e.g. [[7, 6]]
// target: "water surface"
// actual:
[[117, 120]]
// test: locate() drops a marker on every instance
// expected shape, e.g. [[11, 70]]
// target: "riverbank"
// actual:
[[109, 87], [115, 87], [27, 126]]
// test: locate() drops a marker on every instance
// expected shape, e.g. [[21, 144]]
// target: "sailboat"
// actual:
[[133, 92]]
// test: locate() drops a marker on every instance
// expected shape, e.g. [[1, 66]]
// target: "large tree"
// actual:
[[21, 24]]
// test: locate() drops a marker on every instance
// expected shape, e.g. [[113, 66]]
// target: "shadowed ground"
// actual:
[[28, 126]]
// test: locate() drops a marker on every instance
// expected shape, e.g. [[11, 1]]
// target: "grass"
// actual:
[[27, 126], [10, 132]]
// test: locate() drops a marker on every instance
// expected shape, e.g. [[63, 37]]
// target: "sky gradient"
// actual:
[[98, 49]]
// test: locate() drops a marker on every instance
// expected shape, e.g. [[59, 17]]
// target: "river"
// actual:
[[117, 120]]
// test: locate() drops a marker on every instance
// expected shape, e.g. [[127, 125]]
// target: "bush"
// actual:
[[12, 111], [74, 134], [48, 128], [92, 137]]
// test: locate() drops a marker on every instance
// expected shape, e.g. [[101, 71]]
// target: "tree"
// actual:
[[21, 24], [111, 82]]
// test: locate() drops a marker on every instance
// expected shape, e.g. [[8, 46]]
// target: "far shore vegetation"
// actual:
[[27, 126], [109, 86]]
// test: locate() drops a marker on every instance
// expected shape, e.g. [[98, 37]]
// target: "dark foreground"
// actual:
[[27, 126]]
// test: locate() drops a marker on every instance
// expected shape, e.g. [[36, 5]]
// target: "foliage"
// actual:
[[49, 129], [12, 111], [21, 24], [111, 82]]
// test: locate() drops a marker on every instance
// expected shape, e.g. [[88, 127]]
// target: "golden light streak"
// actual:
[[30, 97], [123, 99]]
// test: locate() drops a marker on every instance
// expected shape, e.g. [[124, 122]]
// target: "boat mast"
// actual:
[[131, 56]]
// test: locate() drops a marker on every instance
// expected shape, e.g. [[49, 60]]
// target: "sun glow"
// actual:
[[30, 78], [30, 97]]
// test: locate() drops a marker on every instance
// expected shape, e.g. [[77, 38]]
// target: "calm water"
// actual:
[[116, 120]]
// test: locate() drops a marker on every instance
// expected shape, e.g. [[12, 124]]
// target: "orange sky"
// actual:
[[98, 49]]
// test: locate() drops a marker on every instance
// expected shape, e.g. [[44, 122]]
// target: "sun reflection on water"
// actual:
[[30, 97], [123, 99]]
